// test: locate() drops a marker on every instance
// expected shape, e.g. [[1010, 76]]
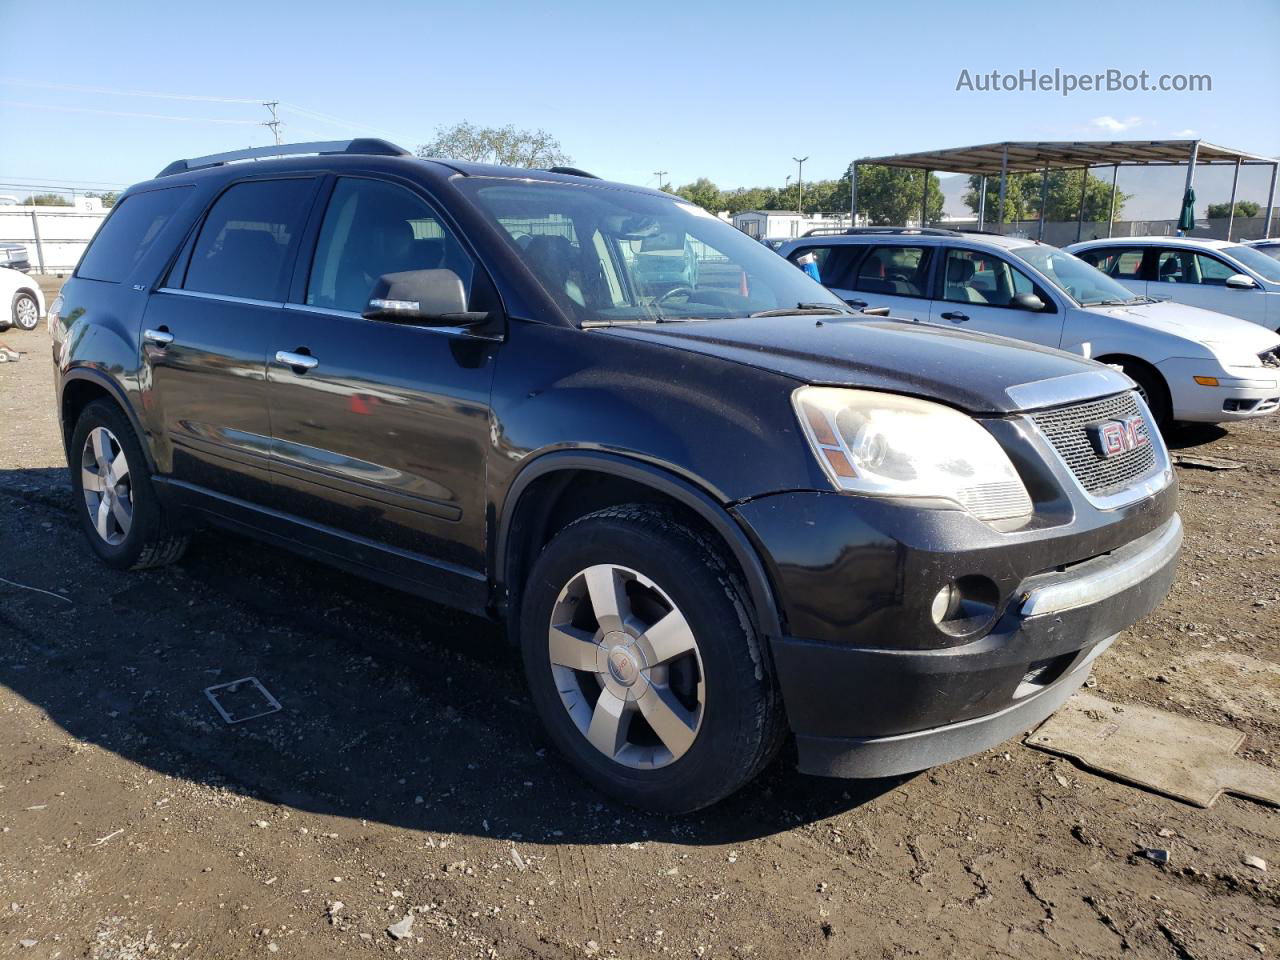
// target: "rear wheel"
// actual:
[[119, 511], [643, 661], [26, 314]]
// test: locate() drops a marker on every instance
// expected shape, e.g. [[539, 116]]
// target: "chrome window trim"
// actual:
[[352, 315], [221, 297]]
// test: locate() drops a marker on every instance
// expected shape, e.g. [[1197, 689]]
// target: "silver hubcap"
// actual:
[[627, 667], [108, 490], [25, 313]]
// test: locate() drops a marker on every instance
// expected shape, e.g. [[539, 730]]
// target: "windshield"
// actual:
[[608, 255], [1085, 284], [1257, 261]]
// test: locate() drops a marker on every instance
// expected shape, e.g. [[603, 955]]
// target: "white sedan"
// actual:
[[1233, 278], [24, 299]]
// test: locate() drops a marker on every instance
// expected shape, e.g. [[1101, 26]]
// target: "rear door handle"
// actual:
[[956, 316], [158, 338], [301, 362]]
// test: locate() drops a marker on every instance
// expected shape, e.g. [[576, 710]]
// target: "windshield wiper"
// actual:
[[801, 309]]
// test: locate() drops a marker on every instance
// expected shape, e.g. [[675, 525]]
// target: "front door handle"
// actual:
[[158, 338], [956, 316], [300, 362]]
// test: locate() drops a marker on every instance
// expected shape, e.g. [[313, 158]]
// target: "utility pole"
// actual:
[[274, 123], [660, 174], [800, 182]]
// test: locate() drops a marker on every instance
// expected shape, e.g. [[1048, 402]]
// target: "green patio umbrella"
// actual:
[[1187, 218]]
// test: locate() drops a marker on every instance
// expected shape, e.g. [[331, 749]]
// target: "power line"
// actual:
[[77, 88], [124, 113]]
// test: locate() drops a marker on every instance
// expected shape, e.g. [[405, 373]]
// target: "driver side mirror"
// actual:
[[1240, 281], [428, 297], [1027, 301]]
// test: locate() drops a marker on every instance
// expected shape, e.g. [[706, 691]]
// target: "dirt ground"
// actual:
[[406, 775]]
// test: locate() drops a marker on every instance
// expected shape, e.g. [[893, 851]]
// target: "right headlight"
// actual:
[[881, 444]]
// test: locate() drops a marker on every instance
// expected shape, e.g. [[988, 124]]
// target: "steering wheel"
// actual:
[[662, 298]]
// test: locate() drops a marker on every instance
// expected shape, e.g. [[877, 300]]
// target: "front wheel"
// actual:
[[644, 663], [1152, 388]]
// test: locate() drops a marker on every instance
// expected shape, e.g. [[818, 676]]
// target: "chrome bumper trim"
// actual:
[[1101, 584]]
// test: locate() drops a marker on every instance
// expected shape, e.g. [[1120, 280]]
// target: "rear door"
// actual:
[[890, 275], [382, 438], [206, 333], [1122, 264], [976, 289]]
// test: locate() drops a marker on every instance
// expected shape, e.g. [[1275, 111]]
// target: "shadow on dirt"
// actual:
[[394, 710], [1188, 436]]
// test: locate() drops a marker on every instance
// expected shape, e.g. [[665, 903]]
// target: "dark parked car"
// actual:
[[708, 515]]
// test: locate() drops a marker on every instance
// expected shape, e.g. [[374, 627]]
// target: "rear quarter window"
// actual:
[[128, 233]]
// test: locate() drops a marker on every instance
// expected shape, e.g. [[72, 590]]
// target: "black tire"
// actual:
[[742, 720], [1153, 389], [30, 319], [151, 541]]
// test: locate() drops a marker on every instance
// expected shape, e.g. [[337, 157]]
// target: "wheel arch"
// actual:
[[81, 386], [529, 517]]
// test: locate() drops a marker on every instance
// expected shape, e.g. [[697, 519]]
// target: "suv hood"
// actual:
[[1193, 323], [975, 372]]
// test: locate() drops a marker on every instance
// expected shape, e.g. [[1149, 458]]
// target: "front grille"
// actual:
[[1065, 429]]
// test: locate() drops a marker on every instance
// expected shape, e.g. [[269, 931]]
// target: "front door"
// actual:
[[977, 292], [382, 435], [206, 333], [1200, 280]]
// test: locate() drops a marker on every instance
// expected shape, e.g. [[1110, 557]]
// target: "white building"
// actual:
[[784, 224]]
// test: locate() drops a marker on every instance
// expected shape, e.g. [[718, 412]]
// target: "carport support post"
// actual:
[[982, 203], [924, 201], [1084, 187], [35, 229], [1111, 215], [1271, 202], [1044, 201], [853, 194], [1004, 176], [1231, 215]]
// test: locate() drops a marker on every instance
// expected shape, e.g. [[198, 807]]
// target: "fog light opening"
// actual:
[[965, 605]]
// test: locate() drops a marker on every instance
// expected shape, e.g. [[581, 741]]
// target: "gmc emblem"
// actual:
[[1113, 437]]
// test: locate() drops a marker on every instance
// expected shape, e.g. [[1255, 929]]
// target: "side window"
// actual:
[[895, 271], [1123, 264], [833, 262], [373, 228], [128, 234], [244, 247], [1175, 266], [1213, 271], [981, 278]]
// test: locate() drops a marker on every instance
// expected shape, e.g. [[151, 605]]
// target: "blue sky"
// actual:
[[726, 90]]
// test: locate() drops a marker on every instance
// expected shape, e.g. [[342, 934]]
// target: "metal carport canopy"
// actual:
[[1034, 156], [1030, 156]]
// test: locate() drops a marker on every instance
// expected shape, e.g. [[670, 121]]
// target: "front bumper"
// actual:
[[872, 709], [1254, 392]]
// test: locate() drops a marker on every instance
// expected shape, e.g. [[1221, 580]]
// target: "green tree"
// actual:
[[746, 198], [47, 200], [703, 193], [1244, 208], [509, 146], [1023, 191], [890, 196], [108, 199]]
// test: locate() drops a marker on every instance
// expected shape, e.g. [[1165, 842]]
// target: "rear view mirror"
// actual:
[[428, 297], [1240, 281], [1027, 301]]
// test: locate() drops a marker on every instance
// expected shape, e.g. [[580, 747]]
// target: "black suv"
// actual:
[[711, 503]]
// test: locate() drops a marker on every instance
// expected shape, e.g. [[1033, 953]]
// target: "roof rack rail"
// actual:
[[572, 172], [367, 146], [853, 231]]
